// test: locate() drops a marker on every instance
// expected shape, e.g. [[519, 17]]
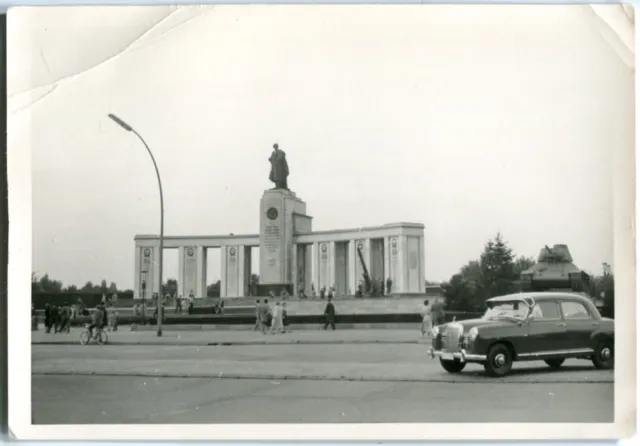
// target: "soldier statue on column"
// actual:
[[279, 168]]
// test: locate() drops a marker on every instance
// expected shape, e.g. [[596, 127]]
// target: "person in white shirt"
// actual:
[[276, 320], [426, 319]]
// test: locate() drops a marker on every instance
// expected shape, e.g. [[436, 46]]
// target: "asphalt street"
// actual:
[[301, 383]]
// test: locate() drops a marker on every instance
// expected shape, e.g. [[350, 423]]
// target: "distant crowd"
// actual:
[[58, 318]]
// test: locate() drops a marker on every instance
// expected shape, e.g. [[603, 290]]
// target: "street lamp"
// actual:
[[143, 275], [128, 128]]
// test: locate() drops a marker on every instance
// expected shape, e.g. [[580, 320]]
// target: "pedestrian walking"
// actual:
[[265, 316], [330, 315], [426, 319], [258, 324], [276, 320], [48, 318], [285, 319], [112, 318], [437, 312], [65, 318]]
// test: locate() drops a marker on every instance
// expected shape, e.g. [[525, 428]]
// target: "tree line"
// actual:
[[497, 272], [45, 284]]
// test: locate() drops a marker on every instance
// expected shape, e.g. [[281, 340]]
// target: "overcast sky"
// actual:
[[470, 120]]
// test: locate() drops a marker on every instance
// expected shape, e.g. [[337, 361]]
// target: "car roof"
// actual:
[[541, 297]]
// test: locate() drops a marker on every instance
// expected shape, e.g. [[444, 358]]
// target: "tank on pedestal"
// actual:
[[555, 270]]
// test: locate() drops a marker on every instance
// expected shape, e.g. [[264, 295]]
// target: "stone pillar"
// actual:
[[223, 271], [422, 264], [332, 265], [233, 272], [387, 263], [308, 268], [394, 262], [181, 271], [146, 264], [137, 268], [316, 266], [402, 264], [156, 272], [189, 271], [294, 267], [352, 259], [241, 273]]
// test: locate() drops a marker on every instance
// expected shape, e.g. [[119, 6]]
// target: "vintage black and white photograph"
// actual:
[[308, 216]]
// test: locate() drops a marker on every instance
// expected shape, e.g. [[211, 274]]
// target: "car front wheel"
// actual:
[[603, 356], [554, 363], [499, 361], [452, 366]]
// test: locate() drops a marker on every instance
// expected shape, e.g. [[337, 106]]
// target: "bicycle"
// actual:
[[100, 336]]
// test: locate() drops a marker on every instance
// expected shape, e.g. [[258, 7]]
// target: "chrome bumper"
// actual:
[[462, 355]]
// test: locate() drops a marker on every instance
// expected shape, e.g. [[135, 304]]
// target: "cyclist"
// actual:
[[97, 320]]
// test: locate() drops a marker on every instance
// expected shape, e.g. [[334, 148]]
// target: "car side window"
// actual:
[[545, 310], [575, 311]]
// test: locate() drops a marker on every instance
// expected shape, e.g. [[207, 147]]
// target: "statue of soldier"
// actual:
[[279, 168]]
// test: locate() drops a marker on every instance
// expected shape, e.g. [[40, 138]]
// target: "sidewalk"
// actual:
[[124, 336]]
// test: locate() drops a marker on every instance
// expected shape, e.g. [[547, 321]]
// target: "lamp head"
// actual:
[[120, 122]]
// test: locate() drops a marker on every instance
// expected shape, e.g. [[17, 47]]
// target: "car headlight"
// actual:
[[473, 333], [435, 331]]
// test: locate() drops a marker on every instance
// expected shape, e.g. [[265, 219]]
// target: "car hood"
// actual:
[[470, 323]]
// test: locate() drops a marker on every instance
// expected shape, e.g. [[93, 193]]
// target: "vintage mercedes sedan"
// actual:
[[547, 326]]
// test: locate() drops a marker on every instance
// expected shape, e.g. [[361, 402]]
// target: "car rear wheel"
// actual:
[[603, 356], [554, 363], [499, 361], [452, 366]]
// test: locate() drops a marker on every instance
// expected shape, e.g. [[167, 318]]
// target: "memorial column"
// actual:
[[223, 271], [201, 288]]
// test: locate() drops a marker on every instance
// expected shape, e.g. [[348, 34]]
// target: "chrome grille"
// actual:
[[451, 337]]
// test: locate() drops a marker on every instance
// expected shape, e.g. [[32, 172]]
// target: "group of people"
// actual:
[[432, 315], [58, 318], [274, 319], [271, 319]]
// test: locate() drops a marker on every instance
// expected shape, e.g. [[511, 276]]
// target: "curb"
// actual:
[[289, 377]]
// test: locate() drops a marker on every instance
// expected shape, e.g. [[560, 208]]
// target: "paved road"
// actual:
[[301, 383], [91, 399]]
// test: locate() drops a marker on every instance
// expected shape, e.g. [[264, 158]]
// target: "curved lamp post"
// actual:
[[128, 128]]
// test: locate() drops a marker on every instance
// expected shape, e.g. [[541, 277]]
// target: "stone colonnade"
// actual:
[[324, 259]]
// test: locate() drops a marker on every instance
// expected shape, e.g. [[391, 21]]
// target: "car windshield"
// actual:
[[506, 310]]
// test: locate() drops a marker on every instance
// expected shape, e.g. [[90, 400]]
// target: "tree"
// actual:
[[88, 287], [170, 287], [71, 289], [104, 289], [494, 274], [45, 285], [497, 266], [113, 288], [465, 291], [522, 264]]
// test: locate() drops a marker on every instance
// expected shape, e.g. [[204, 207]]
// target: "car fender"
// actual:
[[601, 334]]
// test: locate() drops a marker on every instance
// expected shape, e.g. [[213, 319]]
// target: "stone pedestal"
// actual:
[[279, 211]]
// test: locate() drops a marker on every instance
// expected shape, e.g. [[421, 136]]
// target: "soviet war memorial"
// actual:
[[268, 216], [294, 259]]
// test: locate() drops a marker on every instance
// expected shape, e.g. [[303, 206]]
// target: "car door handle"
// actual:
[[562, 324]]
